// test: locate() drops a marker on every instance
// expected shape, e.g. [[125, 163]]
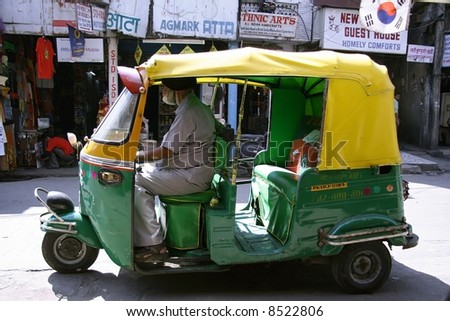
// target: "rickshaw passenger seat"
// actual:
[[276, 190], [284, 180]]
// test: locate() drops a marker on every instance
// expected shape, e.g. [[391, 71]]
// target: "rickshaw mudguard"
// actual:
[[362, 228], [73, 223]]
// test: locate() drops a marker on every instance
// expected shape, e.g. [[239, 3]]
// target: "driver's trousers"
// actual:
[[151, 182]]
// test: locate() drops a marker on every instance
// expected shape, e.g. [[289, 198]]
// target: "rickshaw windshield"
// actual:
[[116, 126]]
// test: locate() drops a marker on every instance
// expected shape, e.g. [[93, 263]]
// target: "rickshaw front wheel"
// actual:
[[66, 254], [362, 267]]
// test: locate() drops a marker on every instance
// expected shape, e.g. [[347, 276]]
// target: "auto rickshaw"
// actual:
[[337, 199]]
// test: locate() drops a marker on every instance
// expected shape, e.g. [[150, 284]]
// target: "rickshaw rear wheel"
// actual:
[[66, 254], [362, 267]]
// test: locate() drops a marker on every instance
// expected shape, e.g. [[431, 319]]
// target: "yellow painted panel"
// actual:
[[359, 130]]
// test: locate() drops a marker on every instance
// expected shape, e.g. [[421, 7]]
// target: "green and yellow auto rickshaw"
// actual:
[[337, 198]]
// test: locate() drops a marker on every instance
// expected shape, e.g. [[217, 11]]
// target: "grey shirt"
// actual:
[[191, 135]]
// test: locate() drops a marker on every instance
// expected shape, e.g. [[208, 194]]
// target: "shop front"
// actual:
[[47, 94], [53, 77]]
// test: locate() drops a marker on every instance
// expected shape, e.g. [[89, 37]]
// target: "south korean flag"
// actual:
[[385, 16]]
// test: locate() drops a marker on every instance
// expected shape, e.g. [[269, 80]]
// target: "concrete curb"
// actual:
[[413, 164], [411, 169]]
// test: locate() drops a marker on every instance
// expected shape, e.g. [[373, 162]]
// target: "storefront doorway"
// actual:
[[80, 90]]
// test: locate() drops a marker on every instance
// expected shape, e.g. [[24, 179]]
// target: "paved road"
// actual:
[[421, 273]]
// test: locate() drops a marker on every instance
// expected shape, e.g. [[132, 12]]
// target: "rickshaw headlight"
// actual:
[[110, 177]]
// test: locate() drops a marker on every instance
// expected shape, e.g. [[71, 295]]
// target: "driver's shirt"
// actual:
[[191, 138]]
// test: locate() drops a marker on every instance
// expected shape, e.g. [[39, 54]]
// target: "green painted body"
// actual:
[[295, 225], [106, 221], [84, 228], [109, 208]]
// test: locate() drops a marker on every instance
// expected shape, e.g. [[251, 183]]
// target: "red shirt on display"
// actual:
[[44, 58]]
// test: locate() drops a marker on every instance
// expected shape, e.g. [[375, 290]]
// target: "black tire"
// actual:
[[362, 267], [66, 254]]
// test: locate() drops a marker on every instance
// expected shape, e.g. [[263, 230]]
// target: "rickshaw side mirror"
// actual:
[[131, 78]]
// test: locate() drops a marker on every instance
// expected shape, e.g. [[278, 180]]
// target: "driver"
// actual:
[[183, 165]]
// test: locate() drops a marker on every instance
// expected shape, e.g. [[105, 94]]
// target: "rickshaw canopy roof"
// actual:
[[269, 67], [358, 116]]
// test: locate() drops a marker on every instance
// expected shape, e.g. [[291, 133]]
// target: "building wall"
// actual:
[[28, 17], [415, 81]]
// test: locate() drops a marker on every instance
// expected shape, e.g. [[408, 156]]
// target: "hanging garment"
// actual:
[[44, 58]]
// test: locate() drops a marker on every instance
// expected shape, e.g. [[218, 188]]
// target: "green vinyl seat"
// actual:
[[184, 213], [275, 189]]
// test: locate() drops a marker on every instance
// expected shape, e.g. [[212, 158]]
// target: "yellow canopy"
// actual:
[[358, 127], [253, 62]]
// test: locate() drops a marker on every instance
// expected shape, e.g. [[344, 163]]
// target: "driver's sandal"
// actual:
[[153, 253]]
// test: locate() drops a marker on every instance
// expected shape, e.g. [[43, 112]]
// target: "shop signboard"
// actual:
[[342, 30], [267, 25], [84, 18], [93, 51], [98, 18], [196, 18], [113, 73], [90, 18], [67, 12], [128, 17], [291, 21], [417, 53]]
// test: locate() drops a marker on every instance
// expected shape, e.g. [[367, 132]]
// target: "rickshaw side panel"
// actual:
[[323, 202], [326, 199], [107, 169], [111, 214]]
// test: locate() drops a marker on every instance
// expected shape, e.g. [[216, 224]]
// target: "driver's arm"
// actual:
[[153, 154]]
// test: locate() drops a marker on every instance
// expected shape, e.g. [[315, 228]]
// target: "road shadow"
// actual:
[[278, 281]]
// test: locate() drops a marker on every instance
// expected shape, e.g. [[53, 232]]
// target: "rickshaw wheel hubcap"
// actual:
[[68, 249], [364, 268]]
